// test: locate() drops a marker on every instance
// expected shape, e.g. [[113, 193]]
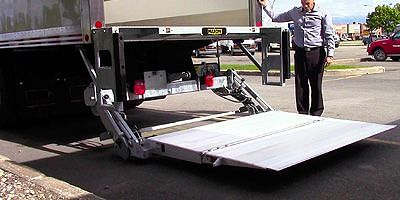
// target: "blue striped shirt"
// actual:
[[311, 29]]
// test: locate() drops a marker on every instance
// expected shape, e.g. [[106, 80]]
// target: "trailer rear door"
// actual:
[[182, 13]]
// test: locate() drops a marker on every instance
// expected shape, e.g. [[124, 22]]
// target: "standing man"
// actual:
[[313, 30]]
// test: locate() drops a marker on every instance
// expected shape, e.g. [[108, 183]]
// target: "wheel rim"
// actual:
[[379, 55]]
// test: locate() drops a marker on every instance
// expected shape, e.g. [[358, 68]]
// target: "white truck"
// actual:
[[57, 54]]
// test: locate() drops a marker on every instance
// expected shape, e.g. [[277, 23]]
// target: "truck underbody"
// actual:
[[41, 82]]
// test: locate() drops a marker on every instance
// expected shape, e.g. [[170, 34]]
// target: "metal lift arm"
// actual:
[[106, 93], [241, 91], [128, 141]]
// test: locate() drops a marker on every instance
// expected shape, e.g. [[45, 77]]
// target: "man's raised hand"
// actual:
[[263, 2]]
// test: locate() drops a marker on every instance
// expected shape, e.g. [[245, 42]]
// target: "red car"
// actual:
[[390, 47]]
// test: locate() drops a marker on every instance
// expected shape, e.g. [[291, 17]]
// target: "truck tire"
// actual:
[[225, 49], [8, 116], [379, 55]]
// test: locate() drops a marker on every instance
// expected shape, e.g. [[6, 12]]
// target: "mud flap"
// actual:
[[272, 140]]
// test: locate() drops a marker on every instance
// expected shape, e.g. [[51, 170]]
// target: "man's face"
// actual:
[[307, 5]]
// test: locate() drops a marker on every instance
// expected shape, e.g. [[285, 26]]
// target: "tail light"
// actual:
[[259, 23], [209, 80], [98, 24], [87, 37], [139, 88]]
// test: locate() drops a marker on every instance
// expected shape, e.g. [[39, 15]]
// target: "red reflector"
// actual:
[[139, 87], [87, 37], [98, 24], [259, 23], [209, 80]]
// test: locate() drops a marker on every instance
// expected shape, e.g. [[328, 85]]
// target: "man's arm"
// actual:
[[329, 33], [283, 17]]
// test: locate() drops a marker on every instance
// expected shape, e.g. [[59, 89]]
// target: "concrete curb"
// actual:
[[59, 187], [346, 60], [349, 60], [336, 72], [356, 71]]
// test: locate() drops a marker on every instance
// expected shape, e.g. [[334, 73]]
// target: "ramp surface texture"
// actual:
[[273, 140]]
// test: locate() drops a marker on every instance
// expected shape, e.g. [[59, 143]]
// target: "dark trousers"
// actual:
[[309, 69]]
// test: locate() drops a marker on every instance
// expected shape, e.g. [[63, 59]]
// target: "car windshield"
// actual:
[[396, 35]]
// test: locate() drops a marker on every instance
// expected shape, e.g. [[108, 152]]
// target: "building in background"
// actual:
[[355, 31]]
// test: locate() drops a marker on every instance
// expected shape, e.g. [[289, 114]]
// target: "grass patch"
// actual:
[[238, 67], [253, 67], [344, 67]]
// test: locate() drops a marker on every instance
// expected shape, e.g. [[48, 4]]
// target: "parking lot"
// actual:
[[68, 148], [343, 55]]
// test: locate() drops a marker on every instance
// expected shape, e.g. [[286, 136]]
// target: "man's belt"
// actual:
[[307, 49]]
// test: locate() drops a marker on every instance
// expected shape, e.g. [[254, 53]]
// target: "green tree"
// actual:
[[384, 16], [397, 6]]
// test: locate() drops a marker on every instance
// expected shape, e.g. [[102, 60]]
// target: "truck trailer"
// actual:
[[178, 13], [60, 55]]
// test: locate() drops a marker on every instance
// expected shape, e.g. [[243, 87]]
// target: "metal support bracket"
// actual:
[[248, 54], [104, 94], [275, 65]]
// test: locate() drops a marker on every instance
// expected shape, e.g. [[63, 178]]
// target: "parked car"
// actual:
[[336, 37], [371, 38], [210, 49], [234, 49], [366, 40], [272, 46], [390, 47]]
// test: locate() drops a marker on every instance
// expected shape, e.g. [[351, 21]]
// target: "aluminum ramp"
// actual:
[[272, 140]]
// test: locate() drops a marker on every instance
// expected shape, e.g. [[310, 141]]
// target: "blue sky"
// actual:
[[342, 11]]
